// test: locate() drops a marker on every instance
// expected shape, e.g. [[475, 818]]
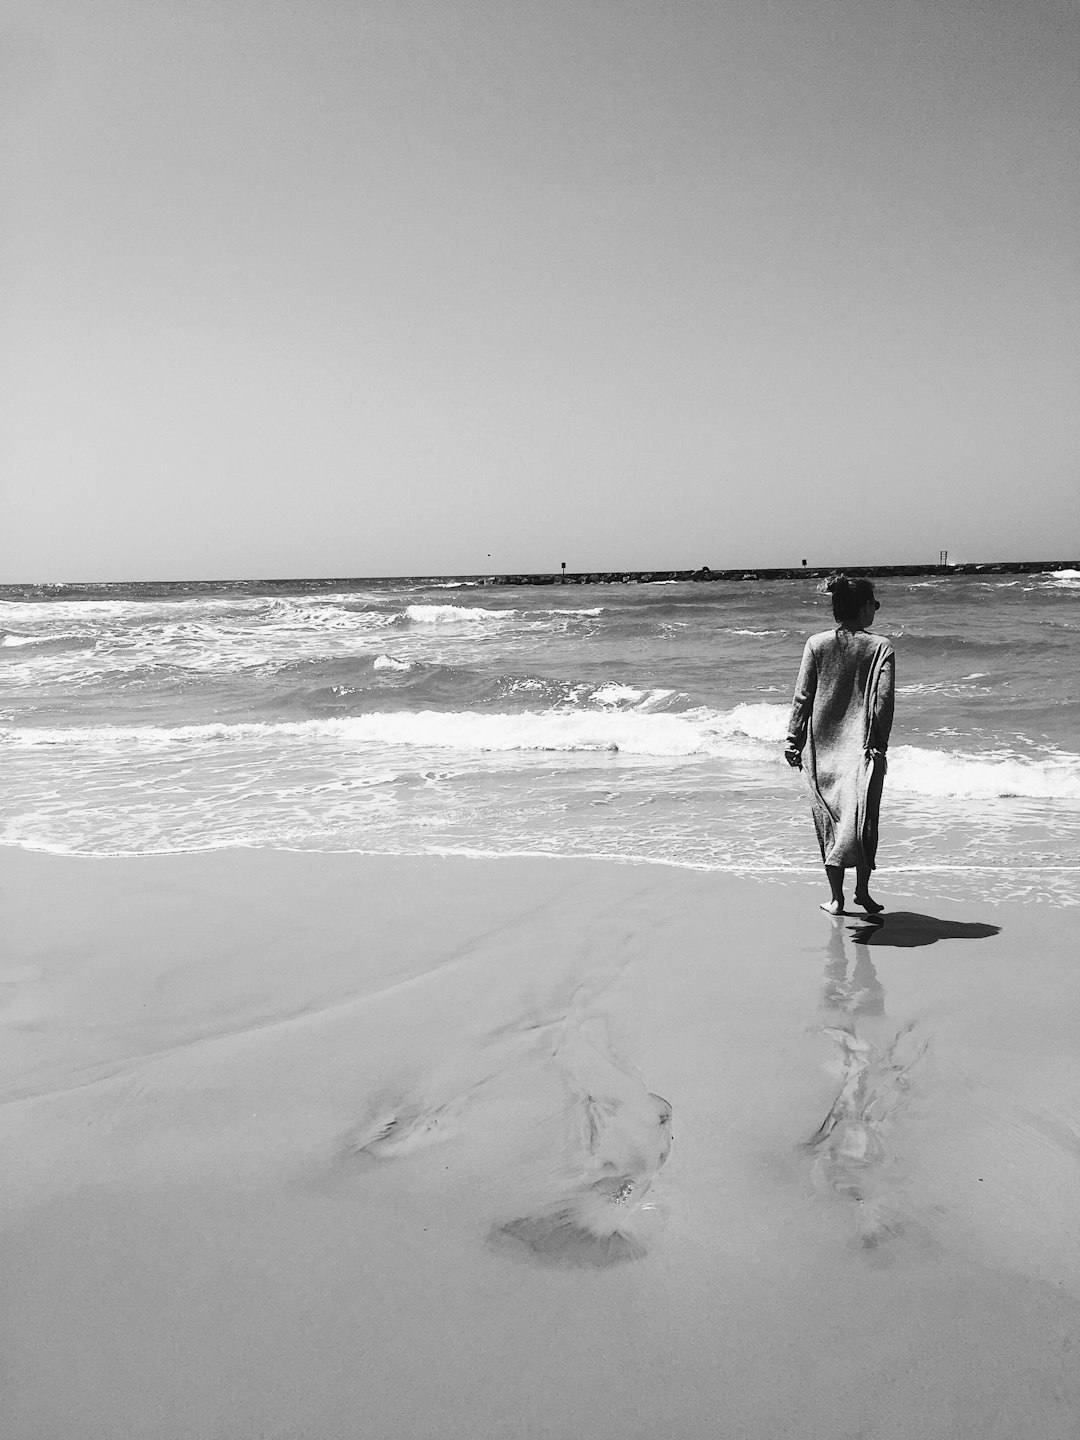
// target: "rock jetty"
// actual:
[[644, 577]]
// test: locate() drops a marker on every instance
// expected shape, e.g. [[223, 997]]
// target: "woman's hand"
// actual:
[[793, 757]]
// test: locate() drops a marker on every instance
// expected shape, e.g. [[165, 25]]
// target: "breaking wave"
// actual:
[[622, 723], [454, 615], [1003, 775], [746, 729]]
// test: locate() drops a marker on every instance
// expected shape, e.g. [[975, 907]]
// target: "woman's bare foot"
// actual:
[[865, 903], [835, 876]]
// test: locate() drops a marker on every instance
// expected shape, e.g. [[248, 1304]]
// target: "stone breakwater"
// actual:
[[629, 577], [177, 589]]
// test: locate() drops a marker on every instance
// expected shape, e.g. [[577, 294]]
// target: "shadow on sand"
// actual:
[[906, 929]]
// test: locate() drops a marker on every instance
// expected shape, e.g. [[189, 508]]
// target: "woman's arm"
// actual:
[[801, 706], [882, 718]]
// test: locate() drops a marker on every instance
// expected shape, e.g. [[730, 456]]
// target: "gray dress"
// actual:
[[841, 717]]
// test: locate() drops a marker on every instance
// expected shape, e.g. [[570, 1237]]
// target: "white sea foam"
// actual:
[[748, 733], [762, 721], [1065, 574], [747, 730], [917, 771], [331, 617], [627, 696], [391, 662], [614, 694], [455, 614], [590, 612], [742, 730], [960, 687]]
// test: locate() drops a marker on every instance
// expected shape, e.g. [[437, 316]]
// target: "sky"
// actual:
[[390, 287]]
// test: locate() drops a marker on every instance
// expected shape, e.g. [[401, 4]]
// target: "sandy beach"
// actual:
[[334, 1145], [496, 495]]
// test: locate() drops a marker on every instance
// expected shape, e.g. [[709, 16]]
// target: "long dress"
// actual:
[[841, 718]]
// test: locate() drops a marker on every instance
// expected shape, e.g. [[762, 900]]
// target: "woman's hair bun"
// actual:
[[848, 596]]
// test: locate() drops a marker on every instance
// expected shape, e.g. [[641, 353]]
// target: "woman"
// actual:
[[839, 731]]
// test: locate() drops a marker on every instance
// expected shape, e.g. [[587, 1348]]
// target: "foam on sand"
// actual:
[[297, 1143]]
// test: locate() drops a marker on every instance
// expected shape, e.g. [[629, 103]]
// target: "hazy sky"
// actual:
[[342, 287]]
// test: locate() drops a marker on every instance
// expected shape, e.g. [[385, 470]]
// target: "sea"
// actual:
[[641, 722]]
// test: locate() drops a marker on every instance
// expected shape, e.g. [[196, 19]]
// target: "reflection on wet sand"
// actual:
[[852, 1156], [859, 993], [850, 1149]]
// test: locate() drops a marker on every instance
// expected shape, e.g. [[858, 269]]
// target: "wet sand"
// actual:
[[304, 1145]]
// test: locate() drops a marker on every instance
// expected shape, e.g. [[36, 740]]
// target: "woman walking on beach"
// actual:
[[841, 717]]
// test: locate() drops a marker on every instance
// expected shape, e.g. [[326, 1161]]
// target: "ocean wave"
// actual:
[[30, 646], [633, 731], [325, 617], [615, 694], [128, 611], [361, 684], [587, 613], [961, 649], [1003, 775], [454, 615], [234, 640], [479, 617], [380, 682], [345, 666], [752, 733], [958, 689]]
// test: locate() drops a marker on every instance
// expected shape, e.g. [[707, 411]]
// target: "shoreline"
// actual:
[[465, 1147], [906, 876]]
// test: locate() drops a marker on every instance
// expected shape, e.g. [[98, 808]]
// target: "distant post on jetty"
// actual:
[[804, 564], [943, 557], [564, 572]]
